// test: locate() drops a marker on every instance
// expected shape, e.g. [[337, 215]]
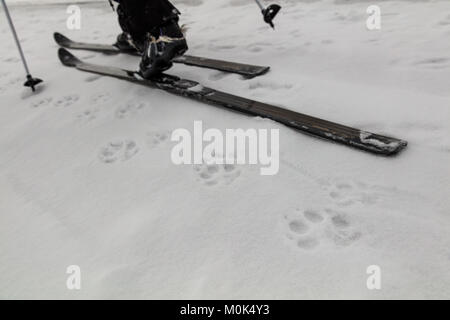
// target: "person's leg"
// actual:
[[151, 27], [138, 18], [161, 48]]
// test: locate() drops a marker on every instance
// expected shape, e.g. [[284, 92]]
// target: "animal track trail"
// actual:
[[347, 194], [41, 103], [88, 115], [118, 151], [100, 98], [215, 174], [157, 138], [129, 109], [302, 228], [66, 101], [309, 228]]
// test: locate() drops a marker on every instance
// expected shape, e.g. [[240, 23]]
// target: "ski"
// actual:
[[367, 141], [246, 70]]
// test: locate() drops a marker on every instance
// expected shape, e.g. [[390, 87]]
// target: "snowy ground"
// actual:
[[141, 227]]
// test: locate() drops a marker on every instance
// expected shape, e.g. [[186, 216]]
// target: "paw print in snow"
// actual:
[[66, 101], [341, 232], [309, 228], [214, 174], [129, 109], [41, 103], [100, 98], [303, 227], [346, 194], [157, 138], [118, 151], [87, 115]]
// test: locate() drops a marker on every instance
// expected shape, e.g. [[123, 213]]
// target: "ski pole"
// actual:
[[31, 82], [269, 13]]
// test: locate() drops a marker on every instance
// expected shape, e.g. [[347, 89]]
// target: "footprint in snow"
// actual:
[[118, 151], [309, 228], [157, 138], [66, 101], [42, 102], [350, 193], [129, 109], [100, 98], [87, 115], [215, 174]]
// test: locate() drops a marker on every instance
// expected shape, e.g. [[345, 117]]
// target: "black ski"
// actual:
[[325, 129], [246, 70]]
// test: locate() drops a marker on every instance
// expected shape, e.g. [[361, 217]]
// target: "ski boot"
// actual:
[[126, 44], [161, 47]]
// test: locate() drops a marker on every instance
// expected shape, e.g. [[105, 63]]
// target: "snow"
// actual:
[[86, 177], [367, 137]]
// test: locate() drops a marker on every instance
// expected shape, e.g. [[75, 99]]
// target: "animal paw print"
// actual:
[[129, 109], [214, 174], [155, 139], [303, 227], [342, 233], [87, 115], [100, 98], [67, 101], [310, 227], [346, 194], [41, 103], [118, 151]]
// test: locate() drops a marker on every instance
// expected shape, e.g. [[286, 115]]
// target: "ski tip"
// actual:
[[67, 58], [60, 38]]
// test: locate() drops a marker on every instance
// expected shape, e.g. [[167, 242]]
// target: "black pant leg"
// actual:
[[138, 17]]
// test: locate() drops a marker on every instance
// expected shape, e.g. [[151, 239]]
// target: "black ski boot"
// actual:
[[126, 44], [161, 47]]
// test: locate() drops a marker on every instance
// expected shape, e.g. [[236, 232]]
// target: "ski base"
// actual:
[[363, 140], [246, 70]]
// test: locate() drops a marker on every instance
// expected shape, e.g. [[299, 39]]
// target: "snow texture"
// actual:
[[86, 177]]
